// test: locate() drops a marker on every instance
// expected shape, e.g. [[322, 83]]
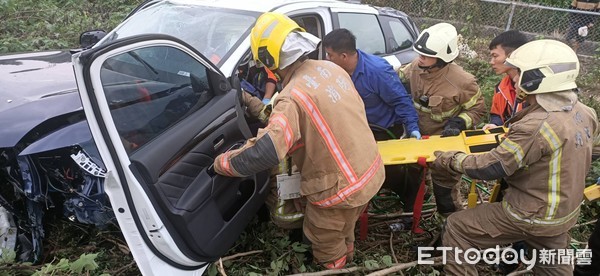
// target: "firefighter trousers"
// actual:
[[331, 231], [487, 226]]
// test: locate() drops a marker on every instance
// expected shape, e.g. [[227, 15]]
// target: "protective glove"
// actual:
[[448, 161], [453, 127], [265, 113], [415, 134], [443, 176]]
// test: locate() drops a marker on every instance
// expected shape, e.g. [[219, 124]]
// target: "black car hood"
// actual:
[[34, 88]]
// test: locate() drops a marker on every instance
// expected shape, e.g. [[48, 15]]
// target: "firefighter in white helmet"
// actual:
[[544, 158], [319, 120], [446, 97]]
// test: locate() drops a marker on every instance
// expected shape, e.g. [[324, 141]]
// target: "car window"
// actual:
[[366, 28], [214, 32], [312, 24], [150, 89], [401, 37]]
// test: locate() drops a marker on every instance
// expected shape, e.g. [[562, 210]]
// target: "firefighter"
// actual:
[[544, 158], [319, 120], [447, 98], [504, 102]]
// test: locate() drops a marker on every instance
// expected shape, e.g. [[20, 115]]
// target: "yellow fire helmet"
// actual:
[[268, 35], [546, 65]]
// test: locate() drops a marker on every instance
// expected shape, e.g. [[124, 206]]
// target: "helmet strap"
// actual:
[[438, 64]]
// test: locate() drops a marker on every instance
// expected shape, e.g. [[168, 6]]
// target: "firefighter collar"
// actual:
[[557, 101]]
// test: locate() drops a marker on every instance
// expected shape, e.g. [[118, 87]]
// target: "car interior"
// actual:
[[174, 116]]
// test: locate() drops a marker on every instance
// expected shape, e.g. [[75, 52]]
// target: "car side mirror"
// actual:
[[89, 38], [219, 83]]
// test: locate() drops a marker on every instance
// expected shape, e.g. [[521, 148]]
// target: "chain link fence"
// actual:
[[490, 17]]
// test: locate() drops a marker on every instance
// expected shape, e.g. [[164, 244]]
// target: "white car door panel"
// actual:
[[160, 113]]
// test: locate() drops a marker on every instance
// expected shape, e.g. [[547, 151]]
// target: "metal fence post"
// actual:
[[510, 16]]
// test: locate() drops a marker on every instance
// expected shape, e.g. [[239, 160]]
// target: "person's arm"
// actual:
[[253, 104], [270, 86], [516, 151], [473, 105], [268, 148], [269, 91], [496, 120], [392, 92], [497, 108]]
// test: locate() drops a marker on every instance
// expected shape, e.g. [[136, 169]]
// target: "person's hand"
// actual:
[[453, 127], [488, 126], [266, 101], [415, 134], [444, 160]]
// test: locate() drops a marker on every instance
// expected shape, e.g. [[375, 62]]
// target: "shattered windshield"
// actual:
[[214, 32]]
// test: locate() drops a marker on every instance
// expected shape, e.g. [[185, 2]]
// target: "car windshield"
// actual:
[[214, 32]]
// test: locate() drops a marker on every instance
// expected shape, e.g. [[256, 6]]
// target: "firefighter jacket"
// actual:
[[444, 94], [253, 104], [585, 5], [319, 120], [503, 102], [544, 158]]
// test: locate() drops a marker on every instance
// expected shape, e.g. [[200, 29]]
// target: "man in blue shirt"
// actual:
[[388, 105]]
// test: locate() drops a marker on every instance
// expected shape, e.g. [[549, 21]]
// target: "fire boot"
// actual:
[[443, 200]]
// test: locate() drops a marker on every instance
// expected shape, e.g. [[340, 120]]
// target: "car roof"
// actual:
[[273, 5]]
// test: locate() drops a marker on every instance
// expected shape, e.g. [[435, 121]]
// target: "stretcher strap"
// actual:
[[418, 205], [364, 223]]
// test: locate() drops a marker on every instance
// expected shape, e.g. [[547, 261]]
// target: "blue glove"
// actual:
[[415, 134], [266, 101]]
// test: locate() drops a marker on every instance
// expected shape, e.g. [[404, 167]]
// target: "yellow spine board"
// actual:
[[592, 192], [407, 151]]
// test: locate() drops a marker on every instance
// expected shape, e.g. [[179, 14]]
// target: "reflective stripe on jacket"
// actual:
[[320, 110], [544, 158], [450, 92]]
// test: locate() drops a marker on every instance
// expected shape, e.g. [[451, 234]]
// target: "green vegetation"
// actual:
[[55, 24], [73, 249]]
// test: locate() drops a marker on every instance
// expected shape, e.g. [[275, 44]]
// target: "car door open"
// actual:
[[160, 113]]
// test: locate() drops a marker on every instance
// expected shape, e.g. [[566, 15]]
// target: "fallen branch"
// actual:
[[586, 223], [520, 272], [434, 239], [234, 256], [386, 271], [124, 268], [221, 268], [399, 267], [333, 271], [392, 247], [404, 214]]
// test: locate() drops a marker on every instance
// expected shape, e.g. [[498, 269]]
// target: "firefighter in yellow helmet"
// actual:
[[319, 120], [544, 158]]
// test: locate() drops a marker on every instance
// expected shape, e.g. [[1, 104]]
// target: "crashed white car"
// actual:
[[161, 97]]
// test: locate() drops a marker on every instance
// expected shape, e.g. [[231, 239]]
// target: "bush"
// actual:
[[55, 24]]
